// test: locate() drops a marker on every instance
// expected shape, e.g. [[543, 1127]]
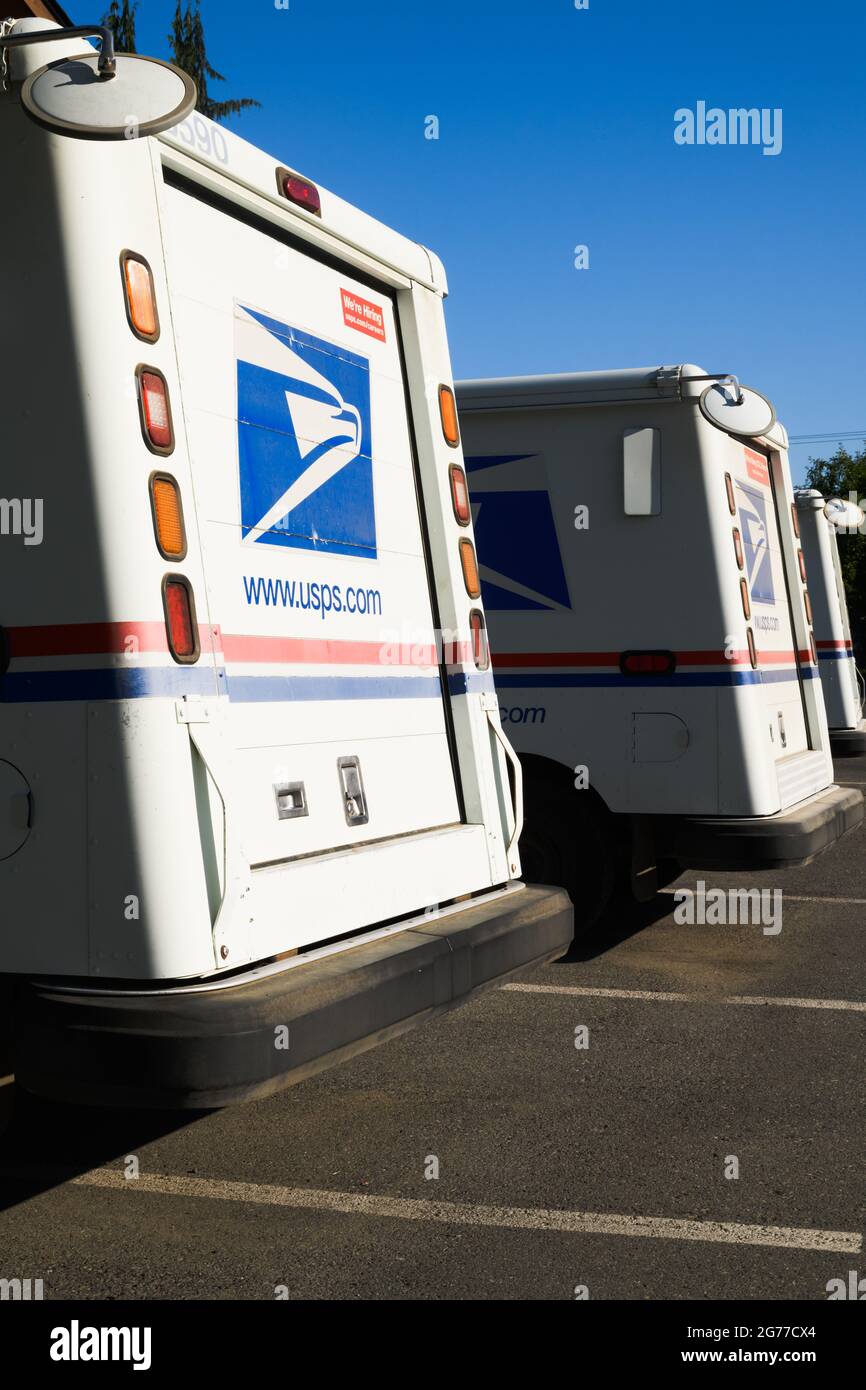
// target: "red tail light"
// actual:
[[647, 663], [808, 602], [744, 595], [738, 548], [795, 519], [729, 487], [299, 191], [180, 622], [155, 411], [459, 494], [480, 647], [801, 561]]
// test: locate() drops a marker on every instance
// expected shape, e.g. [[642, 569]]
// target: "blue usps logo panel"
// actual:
[[304, 443], [756, 544], [518, 548]]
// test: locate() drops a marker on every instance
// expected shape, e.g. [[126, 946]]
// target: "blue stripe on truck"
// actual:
[[38, 687], [528, 679]]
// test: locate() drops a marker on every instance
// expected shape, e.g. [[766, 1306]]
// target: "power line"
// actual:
[[826, 438]]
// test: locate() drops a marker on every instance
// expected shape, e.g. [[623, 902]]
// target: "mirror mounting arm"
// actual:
[[106, 65], [721, 377]]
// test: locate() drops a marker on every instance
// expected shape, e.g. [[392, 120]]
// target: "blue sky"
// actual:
[[556, 129]]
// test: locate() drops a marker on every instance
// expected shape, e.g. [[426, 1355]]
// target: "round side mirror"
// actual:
[[750, 417], [142, 97], [845, 516]]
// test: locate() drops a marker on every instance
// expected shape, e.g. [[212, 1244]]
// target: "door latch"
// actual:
[[354, 798]]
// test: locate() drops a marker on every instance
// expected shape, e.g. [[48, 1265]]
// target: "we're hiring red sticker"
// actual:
[[361, 314], [756, 467]]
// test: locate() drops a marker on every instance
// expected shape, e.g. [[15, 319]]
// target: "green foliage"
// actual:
[[838, 476], [121, 21], [187, 44]]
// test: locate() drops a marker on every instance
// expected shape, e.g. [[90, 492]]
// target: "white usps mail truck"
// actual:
[[652, 643], [257, 810], [841, 681]]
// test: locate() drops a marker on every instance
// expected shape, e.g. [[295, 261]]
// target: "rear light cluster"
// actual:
[[463, 515], [739, 554], [166, 505], [807, 602]]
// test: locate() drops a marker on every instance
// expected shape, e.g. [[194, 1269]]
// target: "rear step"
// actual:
[[199, 1048]]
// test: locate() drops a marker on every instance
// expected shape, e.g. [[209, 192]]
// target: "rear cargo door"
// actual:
[[771, 622], [314, 551]]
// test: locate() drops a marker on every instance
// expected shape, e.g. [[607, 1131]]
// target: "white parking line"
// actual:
[[463, 1214], [660, 996]]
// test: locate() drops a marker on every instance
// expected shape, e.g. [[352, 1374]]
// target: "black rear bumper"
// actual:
[[764, 842], [199, 1048], [848, 743]]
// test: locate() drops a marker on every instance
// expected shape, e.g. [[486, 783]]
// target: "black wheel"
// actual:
[[569, 841]]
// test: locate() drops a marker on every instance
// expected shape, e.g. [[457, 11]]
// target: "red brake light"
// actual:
[[729, 487], [738, 548], [155, 411], [795, 519], [801, 561], [180, 623], [480, 648], [299, 191], [647, 663], [459, 494], [744, 595]]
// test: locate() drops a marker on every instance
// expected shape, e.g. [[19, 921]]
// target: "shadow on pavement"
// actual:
[[43, 1144]]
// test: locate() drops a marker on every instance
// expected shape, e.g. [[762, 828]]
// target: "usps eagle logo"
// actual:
[[518, 549], [304, 439], [756, 544]]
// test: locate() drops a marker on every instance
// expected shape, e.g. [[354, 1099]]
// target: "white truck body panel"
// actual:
[[839, 678], [650, 566], [179, 866]]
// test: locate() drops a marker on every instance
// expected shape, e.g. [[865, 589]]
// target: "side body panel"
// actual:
[[572, 582], [830, 610]]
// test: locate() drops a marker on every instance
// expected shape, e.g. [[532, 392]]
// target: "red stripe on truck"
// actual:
[[696, 658], [105, 639], [322, 651], [91, 639]]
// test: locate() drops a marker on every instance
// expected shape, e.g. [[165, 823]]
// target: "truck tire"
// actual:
[[570, 841]]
